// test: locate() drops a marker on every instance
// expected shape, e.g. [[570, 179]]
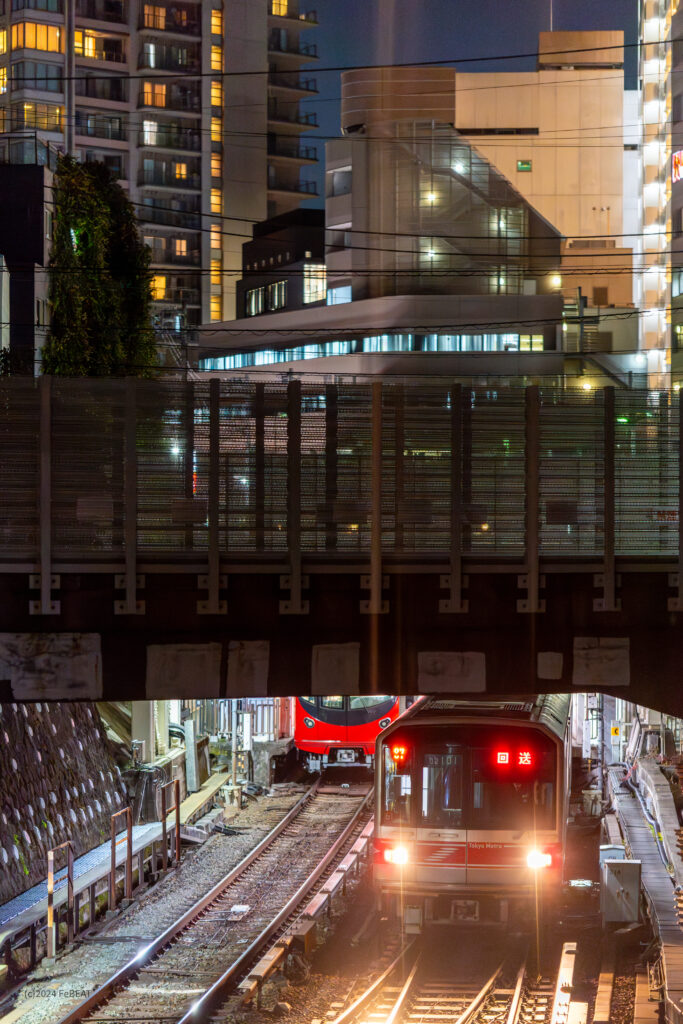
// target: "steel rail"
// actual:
[[470, 1011], [516, 1003], [145, 955], [213, 995], [366, 996], [403, 994]]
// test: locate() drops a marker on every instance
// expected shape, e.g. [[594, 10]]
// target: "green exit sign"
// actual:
[[524, 165]]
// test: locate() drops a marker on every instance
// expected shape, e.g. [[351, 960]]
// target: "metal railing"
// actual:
[[168, 177], [128, 472], [282, 147]]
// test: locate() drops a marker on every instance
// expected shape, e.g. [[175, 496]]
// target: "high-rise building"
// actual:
[[194, 106], [661, 28]]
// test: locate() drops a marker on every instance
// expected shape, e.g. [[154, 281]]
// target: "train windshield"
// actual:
[[475, 777]]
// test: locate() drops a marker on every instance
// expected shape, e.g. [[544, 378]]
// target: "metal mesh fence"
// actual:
[[299, 456]]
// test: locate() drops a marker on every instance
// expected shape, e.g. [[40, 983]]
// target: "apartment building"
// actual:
[[192, 105]]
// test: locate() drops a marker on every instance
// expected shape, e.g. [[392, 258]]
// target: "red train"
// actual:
[[341, 730]]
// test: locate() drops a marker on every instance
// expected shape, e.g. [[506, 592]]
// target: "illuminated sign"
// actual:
[[399, 753], [503, 757], [677, 166], [524, 757]]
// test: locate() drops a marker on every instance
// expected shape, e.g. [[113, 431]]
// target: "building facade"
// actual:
[[174, 98]]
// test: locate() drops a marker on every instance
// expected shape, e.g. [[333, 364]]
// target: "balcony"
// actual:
[[182, 20], [100, 127], [279, 44], [98, 88], [279, 147], [102, 10], [169, 58], [305, 188], [161, 138], [292, 83], [292, 119], [166, 217], [180, 102], [161, 258], [287, 12], [96, 49], [166, 177]]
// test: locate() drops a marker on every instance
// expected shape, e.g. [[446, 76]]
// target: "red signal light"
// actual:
[[503, 757], [399, 754]]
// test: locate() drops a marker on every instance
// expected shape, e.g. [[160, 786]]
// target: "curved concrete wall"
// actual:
[[375, 95], [58, 782]]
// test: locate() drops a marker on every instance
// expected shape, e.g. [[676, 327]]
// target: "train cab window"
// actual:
[[366, 702], [397, 792], [332, 702], [512, 802], [442, 796]]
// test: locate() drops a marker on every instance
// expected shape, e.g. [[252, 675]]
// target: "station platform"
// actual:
[[658, 886], [25, 911]]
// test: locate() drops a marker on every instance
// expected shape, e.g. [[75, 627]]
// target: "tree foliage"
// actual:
[[99, 279]]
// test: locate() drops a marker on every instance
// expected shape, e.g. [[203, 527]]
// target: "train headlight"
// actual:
[[309, 723], [384, 722], [536, 859], [396, 855]]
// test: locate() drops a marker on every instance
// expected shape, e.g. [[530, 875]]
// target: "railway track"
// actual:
[[507, 996], [187, 971]]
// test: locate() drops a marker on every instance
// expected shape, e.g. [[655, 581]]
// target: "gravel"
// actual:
[[53, 990]]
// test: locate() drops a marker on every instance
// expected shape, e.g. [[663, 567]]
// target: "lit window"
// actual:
[[216, 200], [154, 17], [254, 301], [3, 80], [84, 44], [149, 133], [159, 287], [33, 35], [3, 40], [217, 23], [216, 58], [216, 129], [215, 236], [216, 94], [315, 282], [277, 295], [181, 247], [215, 307], [216, 166], [280, 8], [215, 271], [336, 296], [154, 94], [181, 171]]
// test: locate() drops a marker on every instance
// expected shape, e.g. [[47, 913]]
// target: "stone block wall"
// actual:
[[58, 781]]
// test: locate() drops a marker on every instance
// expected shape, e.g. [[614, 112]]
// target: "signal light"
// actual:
[[399, 754], [397, 855], [537, 859]]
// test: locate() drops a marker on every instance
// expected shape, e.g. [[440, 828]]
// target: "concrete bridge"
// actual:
[[162, 539]]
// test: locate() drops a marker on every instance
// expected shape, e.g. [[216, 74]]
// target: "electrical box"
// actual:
[[612, 851], [620, 891]]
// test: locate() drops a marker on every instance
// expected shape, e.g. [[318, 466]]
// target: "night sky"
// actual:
[[361, 32]]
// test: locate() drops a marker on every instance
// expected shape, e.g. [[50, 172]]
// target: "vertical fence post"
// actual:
[[212, 582], [375, 605], [51, 926], [531, 579], [331, 465], [130, 606], [607, 579], [675, 604], [176, 800], [112, 868], [164, 834], [45, 605], [294, 582], [129, 854], [259, 464], [71, 907], [456, 582]]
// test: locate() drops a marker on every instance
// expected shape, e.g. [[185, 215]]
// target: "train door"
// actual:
[[442, 793]]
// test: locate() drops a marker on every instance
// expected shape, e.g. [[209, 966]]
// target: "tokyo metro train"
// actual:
[[472, 807], [341, 730]]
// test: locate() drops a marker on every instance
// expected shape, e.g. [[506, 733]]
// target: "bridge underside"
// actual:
[[260, 644]]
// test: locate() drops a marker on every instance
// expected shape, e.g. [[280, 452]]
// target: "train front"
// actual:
[[470, 821]]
